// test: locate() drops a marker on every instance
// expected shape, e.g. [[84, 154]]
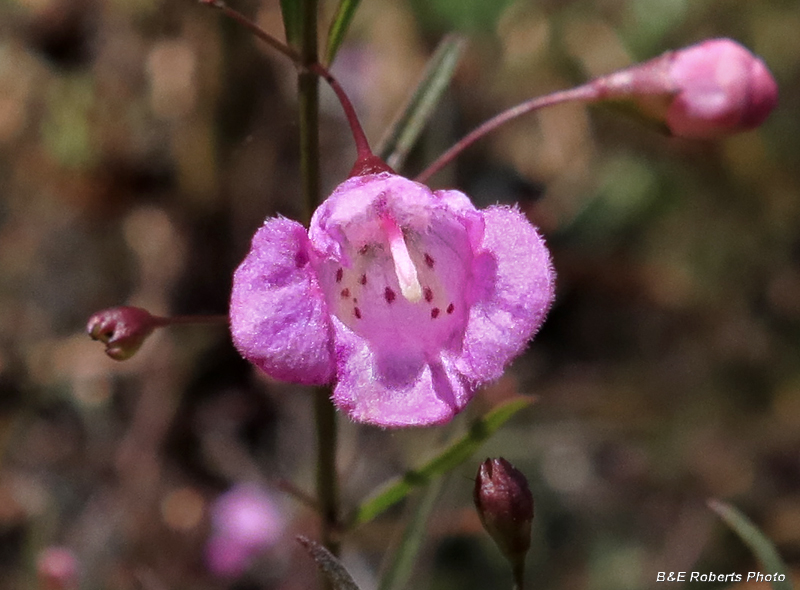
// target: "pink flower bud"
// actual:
[[505, 506], [708, 90], [123, 329], [57, 569]]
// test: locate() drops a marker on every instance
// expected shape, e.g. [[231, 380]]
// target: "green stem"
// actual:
[[519, 575], [308, 98], [327, 488], [324, 412]]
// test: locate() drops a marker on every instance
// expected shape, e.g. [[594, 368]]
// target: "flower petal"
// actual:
[[512, 291], [395, 388], [279, 319]]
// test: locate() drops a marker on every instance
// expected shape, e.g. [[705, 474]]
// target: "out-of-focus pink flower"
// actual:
[[711, 89], [123, 329], [245, 521], [407, 299], [57, 569]]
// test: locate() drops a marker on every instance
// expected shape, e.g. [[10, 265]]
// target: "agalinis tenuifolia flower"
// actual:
[[406, 299]]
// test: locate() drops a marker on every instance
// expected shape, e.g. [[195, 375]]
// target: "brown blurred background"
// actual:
[[142, 142]]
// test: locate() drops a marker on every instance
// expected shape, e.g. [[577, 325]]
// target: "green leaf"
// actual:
[[339, 26], [398, 488], [405, 556], [405, 130], [292, 20], [752, 537], [331, 567]]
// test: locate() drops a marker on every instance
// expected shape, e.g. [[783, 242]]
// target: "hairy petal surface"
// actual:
[[278, 315], [512, 292], [408, 299]]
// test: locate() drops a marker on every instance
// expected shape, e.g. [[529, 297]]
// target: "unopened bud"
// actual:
[[123, 329], [57, 569], [704, 91], [505, 507]]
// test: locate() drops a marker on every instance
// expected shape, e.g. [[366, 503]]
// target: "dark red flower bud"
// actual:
[[123, 329], [505, 506]]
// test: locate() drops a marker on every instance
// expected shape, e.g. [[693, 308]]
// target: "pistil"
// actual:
[[403, 265]]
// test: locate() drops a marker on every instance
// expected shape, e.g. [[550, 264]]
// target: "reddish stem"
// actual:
[[193, 319], [364, 153], [587, 92]]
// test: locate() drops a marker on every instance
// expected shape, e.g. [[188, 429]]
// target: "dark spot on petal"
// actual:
[[389, 295], [301, 259], [345, 292], [364, 249], [434, 313], [339, 275], [428, 293], [363, 279], [450, 308], [428, 260], [355, 300], [357, 313]]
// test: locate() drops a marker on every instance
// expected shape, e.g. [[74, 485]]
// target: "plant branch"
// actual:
[[303, 65], [585, 92], [327, 478]]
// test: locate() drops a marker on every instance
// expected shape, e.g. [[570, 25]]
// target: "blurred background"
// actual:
[[142, 142]]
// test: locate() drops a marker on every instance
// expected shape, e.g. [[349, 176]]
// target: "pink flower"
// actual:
[[244, 521], [57, 569], [712, 89], [406, 299]]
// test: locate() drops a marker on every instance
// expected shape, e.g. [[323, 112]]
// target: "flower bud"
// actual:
[[505, 506], [57, 569], [123, 329], [704, 91]]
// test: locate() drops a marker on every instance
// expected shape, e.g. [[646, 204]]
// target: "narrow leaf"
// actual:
[[339, 26], [405, 130], [405, 556], [292, 20], [331, 567], [758, 542], [398, 488]]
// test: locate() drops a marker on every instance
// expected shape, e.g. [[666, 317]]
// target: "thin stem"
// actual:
[[327, 481], [324, 412], [304, 65], [585, 92], [298, 494], [195, 319], [519, 575]]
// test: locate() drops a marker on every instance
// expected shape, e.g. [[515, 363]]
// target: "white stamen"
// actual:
[[403, 265]]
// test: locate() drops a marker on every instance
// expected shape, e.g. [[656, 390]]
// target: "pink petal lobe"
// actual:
[[512, 293], [394, 388], [278, 314]]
